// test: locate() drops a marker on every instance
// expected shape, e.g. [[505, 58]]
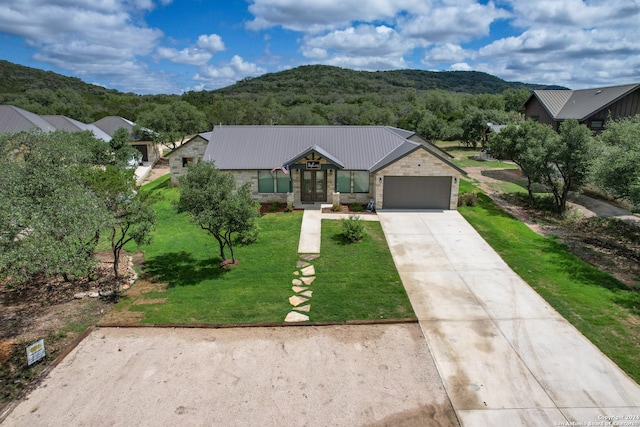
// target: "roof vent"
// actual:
[[598, 92]]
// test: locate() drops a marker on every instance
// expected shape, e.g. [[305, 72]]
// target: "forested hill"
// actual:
[[16, 78], [439, 105], [323, 79]]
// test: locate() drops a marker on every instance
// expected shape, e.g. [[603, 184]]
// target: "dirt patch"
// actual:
[[348, 209], [370, 375], [49, 309]]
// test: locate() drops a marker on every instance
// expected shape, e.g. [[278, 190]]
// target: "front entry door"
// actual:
[[314, 186]]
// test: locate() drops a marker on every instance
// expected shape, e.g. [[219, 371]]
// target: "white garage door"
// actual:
[[416, 192]]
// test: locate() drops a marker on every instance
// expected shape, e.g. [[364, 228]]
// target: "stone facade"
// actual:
[[190, 152], [418, 163]]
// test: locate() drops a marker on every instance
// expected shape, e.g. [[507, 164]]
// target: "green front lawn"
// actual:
[[186, 259], [605, 310]]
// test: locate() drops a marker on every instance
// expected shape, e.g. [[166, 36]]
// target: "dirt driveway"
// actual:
[[372, 375]]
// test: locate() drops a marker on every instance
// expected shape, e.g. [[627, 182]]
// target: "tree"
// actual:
[[617, 168], [121, 146], [131, 216], [50, 222], [560, 163], [571, 158], [474, 124], [210, 198], [169, 124], [527, 145]]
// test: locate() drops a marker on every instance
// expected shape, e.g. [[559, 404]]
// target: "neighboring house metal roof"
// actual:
[[268, 147], [72, 125], [580, 104], [495, 128], [111, 124], [14, 119]]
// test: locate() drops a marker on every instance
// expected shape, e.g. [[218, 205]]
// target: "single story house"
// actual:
[[14, 119], [396, 168], [148, 149], [592, 107]]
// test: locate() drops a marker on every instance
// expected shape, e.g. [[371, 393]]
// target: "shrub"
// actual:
[[356, 207], [468, 199], [337, 207], [352, 229], [249, 236], [274, 207], [289, 208]]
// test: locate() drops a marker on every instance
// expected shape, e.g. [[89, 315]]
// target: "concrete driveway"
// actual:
[[505, 356]]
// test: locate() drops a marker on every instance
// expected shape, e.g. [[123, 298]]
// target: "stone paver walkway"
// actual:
[[304, 277], [309, 249]]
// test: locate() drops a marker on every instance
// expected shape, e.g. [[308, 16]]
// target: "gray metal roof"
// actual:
[[72, 125], [580, 104], [553, 100], [14, 119], [111, 124], [268, 147]]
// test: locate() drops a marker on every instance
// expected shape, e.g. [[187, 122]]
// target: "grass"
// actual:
[[605, 310], [186, 258], [357, 280], [464, 156]]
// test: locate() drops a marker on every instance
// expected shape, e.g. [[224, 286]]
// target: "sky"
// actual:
[[174, 46]]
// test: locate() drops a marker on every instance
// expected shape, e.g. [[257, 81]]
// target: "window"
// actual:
[[265, 182], [282, 182], [597, 124], [360, 181], [343, 181], [186, 161]]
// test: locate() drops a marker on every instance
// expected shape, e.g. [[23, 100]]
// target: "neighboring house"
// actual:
[[110, 124], [66, 123], [191, 151], [14, 119], [328, 164], [592, 107], [491, 128]]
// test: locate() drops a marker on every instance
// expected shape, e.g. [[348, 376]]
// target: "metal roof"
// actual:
[[268, 147], [580, 104], [72, 125], [111, 124], [14, 119]]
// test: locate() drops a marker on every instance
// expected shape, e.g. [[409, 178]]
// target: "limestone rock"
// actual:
[[296, 317], [308, 271], [296, 300], [308, 280]]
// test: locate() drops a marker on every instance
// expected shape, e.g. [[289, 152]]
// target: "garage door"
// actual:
[[416, 192], [142, 149]]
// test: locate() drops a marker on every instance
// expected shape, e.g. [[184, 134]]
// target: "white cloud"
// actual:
[[447, 52], [315, 15], [460, 66], [198, 55], [94, 40], [188, 56], [367, 63], [364, 40], [212, 43], [227, 73], [452, 21]]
